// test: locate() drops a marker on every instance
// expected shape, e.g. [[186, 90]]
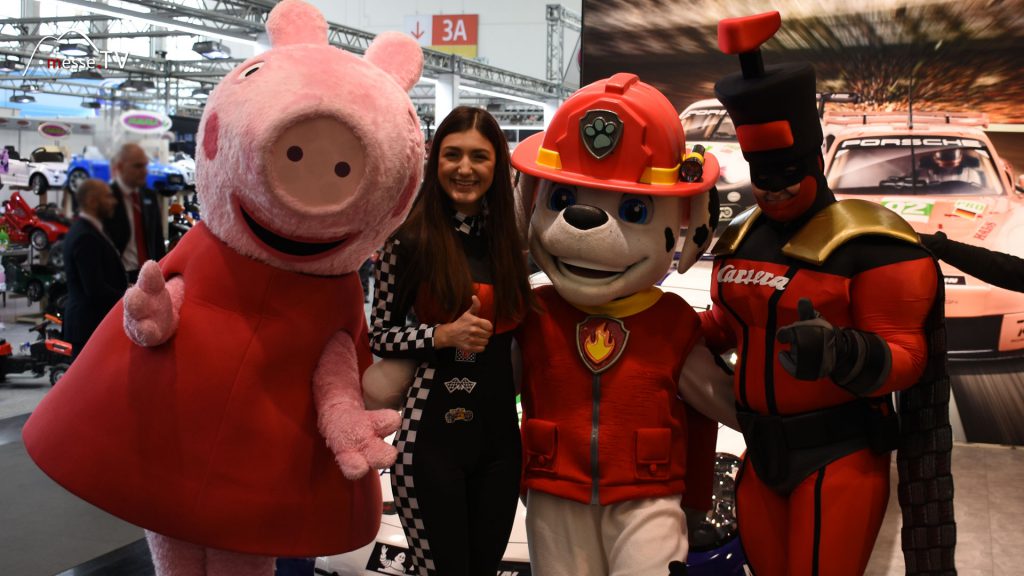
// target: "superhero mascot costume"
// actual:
[[215, 406], [832, 307], [609, 445]]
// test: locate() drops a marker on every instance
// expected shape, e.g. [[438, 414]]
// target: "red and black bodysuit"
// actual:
[[831, 307], [456, 481], [814, 499]]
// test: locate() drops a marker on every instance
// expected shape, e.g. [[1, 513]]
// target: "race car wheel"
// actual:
[[76, 178], [38, 183], [57, 372], [39, 239], [34, 291]]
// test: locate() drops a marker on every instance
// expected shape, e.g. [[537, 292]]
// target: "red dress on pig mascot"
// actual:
[[214, 409]]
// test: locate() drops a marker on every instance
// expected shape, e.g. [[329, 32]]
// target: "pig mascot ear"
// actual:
[[296, 22], [398, 55]]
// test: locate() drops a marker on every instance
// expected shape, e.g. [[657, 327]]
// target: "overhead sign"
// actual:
[[54, 130], [145, 122], [451, 33]]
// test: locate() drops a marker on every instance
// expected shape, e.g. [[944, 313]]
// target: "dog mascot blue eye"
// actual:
[[634, 211], [561, 198]]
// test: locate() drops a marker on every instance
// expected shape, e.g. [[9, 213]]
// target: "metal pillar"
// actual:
[[446, 96]]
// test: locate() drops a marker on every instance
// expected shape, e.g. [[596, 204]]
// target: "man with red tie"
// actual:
[[135, 226]]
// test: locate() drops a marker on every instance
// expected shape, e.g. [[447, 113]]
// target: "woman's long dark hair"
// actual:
[[438, 262]]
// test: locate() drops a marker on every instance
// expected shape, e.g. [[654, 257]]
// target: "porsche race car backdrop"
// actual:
[[922, 109]]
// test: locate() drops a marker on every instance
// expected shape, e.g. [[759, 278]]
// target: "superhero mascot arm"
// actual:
[[717, 331], [885, 351], [996, 268]]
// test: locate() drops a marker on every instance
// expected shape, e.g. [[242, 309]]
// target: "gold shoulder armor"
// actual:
[[733, 235], [841, 222]]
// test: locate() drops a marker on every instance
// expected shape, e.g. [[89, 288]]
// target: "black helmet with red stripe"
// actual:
[[775, 114]]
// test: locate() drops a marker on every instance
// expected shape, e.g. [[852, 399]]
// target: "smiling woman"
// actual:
[[458, 265]]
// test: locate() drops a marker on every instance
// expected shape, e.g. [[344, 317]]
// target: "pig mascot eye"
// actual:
[[251, 70], [561, 198], [635, 210]]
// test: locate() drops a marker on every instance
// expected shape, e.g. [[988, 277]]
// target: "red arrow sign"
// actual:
[[417, 33]]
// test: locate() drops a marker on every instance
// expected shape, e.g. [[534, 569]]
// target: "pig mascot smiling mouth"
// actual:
[[221, 407]]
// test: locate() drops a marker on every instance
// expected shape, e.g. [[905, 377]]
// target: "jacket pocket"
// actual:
[[540, 439], [653, 453]]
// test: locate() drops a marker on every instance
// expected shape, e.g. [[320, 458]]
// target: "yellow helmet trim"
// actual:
[[549, 158], [660, 176]]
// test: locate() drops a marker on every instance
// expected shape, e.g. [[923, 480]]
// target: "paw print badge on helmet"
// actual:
[[617, 134]]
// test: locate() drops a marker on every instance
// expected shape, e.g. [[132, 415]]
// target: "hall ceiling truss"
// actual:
[[222, 18]]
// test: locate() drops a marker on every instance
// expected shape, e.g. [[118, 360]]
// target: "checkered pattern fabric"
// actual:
[[389, 333], [402, 485], [472, 225]]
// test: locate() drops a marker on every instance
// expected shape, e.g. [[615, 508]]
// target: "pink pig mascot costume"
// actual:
[[221, 408]]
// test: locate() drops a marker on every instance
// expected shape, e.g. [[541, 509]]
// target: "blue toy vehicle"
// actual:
[[163, 178]]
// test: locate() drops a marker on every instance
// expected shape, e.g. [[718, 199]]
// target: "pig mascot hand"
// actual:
[[215, 407]]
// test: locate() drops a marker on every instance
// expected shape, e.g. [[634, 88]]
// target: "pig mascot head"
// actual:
[[308, 156]]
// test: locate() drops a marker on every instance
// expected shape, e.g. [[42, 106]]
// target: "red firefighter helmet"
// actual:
[[616, 134]]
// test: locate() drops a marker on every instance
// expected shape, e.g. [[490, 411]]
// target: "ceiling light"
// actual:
[[211, 49], [201, 92], [131, 85], [87, 74], [28, 87], [22, 99], [75, 49]]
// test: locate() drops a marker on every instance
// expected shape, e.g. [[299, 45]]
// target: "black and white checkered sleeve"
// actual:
[[390, 335]]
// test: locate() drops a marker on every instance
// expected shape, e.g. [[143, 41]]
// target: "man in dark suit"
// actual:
[[96, 279], [138, 208]]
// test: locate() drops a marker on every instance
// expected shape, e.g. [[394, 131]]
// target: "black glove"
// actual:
[[676, 568], [935, 243], [856, 361]]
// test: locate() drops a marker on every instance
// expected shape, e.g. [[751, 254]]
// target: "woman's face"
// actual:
[[466, 169]]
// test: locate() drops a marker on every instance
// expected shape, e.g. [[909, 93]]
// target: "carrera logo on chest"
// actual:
[[730, 274]]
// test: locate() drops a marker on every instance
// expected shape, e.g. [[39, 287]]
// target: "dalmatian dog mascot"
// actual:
[[616, 382]]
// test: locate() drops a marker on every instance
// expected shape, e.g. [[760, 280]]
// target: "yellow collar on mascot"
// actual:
[[627, 306]]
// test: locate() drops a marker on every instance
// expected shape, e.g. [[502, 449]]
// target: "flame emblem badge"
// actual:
[[600, 341]]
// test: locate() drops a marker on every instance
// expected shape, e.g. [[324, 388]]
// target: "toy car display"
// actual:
[[705, 122], [35, 281], [26, 225], [44, 168], [46, 353], [187, 165], [941, 172], [163, 178]]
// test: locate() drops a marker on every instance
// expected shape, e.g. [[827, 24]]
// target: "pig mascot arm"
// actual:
[[352, 432], [151, 306]]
